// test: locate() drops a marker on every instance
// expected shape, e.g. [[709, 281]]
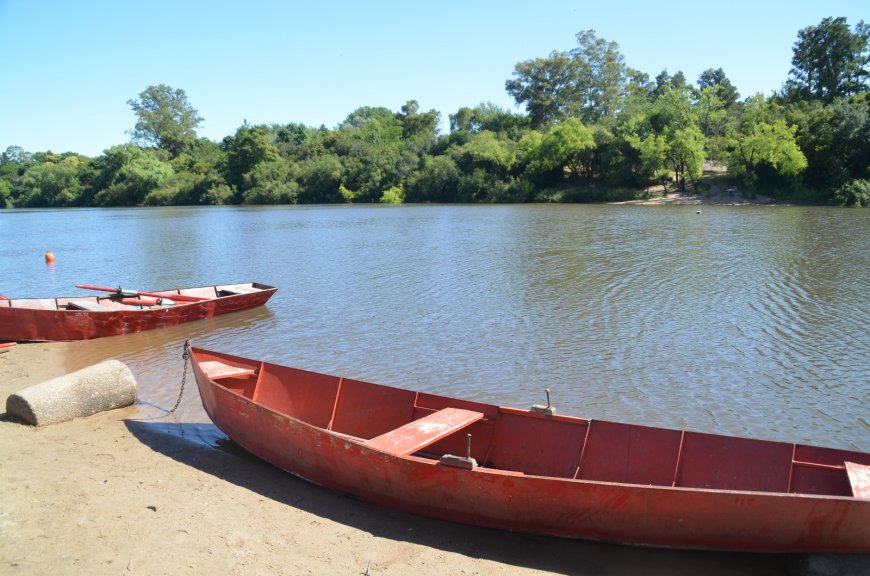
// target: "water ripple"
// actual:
[[741, 320]]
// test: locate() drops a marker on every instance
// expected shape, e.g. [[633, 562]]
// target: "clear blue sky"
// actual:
[[69, 67]]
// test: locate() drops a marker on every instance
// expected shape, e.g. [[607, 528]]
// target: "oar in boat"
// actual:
[[148, 301], [133, 293]]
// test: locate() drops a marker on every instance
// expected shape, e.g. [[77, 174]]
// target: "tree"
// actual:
[[685, 152], [835, 140], [603, 76], [436, 181], [127, 173], [830, 61], [710, 110], [166, 119], [15, 155], [673, 110], [54, 183], [720, 86], [484, 151], [673, 139], [320, 178], [251, 145], [588, 82], [548, 87], [488, 116], [563, 146], [370, 146], [418, 125], [768, 155], [270, 183]]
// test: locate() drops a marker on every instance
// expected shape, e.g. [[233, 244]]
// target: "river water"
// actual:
[[743, 320], [739, 320]]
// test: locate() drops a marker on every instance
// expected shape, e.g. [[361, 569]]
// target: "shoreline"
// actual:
[[127, 492], [716, 195]]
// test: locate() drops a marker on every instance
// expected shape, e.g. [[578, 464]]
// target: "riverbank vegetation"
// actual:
[[594, 129]]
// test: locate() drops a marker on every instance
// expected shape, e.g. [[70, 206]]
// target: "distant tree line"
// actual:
[[594, 129]]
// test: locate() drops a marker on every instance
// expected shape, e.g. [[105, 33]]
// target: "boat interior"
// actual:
[[111, 301], [513, 441]]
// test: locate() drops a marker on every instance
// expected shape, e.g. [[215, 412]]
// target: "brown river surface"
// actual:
[[739, 320], [745, 320]]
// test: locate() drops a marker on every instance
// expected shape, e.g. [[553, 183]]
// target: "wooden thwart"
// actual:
[[420, 433], [859, 478], [238, 289], [216, 370], [85, 305]]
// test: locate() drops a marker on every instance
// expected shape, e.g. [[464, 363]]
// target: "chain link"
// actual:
[[185, 356]]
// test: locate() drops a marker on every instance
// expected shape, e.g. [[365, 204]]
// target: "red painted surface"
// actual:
[[554, 475], [55, 319]]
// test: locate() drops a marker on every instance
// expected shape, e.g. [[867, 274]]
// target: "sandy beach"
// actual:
[[123, 493]]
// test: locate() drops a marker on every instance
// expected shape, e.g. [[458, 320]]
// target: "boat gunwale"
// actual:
[[361, 443], [261, 288]]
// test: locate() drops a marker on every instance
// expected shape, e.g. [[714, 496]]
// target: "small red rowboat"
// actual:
[[535, 471], [87, 317]]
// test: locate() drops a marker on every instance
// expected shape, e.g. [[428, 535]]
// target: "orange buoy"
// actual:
[[49, 257]]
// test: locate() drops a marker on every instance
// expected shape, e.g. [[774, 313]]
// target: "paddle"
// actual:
[[120, 291], [148, 301]]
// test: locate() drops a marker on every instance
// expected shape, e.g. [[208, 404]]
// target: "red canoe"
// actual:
[[87, 317], [530, 471]]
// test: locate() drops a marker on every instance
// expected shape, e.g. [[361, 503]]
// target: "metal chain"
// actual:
[[185, 356]]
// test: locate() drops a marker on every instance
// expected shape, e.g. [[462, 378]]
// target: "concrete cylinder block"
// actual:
[[104, 386]]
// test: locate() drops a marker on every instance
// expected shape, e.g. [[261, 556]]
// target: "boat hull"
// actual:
[[606, 511], [25, 324]]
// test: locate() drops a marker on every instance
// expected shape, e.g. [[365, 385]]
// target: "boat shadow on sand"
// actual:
[[205, 448]]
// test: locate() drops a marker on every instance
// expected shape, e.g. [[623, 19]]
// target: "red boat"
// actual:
[[121, 311], [536, 471]]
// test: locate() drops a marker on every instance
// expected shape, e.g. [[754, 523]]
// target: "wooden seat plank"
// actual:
[[420, 433], [85, 305], [859, 478], [216, 370], [236, 289], [35, 303]]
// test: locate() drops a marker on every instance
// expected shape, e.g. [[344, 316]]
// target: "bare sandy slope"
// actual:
[[715, 197], [120, 494]]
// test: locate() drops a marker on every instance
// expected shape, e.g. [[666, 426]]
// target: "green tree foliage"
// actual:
[[830, 61], [720, 86], [768, 155], [320, 178], [588, 82], [436, 181], [53, 183], [834, 139], [673, 142], [417, 126], [394, 195], [549, 88], [488, 116], [484, 150], [603, 76], [127, 173], [854, 193], [562, 148], [270, 183], [593, 129], [684, 151], [250, 146], [166, 119]]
